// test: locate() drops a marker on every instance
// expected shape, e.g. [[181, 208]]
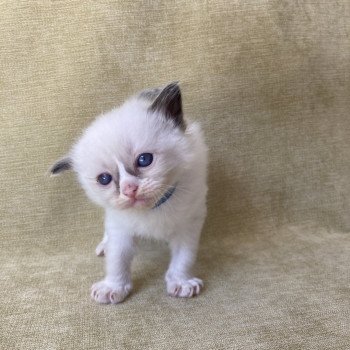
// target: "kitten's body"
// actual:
[[152, 124]]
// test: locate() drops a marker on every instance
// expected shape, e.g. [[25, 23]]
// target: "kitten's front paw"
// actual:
[[108, 292], [184, 288], [100, 249]]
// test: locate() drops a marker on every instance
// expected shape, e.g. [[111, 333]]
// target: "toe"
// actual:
[[185, 288]]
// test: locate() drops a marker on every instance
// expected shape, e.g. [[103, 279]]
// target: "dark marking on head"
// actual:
[[169, 103], [150, 94], [60, 166], [132, 171], [116, 179]]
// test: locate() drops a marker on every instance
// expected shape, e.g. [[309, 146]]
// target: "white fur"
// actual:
[[111, 144]]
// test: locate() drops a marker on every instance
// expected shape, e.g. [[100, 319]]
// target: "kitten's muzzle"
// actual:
[[129, 190], [131, 196]]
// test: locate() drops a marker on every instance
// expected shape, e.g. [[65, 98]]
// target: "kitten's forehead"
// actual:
[[136, 128], [124, 133]]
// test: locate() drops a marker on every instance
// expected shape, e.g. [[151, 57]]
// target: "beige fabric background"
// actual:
[[270, 82]]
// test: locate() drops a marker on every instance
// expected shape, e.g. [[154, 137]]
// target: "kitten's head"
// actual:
[[131, 156]]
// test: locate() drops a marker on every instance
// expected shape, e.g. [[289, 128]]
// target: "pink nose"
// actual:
[[130, 190]]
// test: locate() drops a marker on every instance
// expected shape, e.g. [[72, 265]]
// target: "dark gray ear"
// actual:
[[61, 165], [150, 94], [169, 103]]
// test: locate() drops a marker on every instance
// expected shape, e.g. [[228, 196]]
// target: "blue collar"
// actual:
[[165, 197]]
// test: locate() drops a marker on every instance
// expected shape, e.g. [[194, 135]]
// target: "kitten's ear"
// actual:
[[169, 103], [150, 94], [61, 165]]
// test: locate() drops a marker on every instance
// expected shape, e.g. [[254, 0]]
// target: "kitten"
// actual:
[[146, 166]]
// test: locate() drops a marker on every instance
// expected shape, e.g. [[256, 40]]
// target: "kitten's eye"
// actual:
[[104, 179], [144, 159]]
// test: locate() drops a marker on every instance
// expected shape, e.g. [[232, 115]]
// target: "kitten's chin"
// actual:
[[140, 204], [134, 204]]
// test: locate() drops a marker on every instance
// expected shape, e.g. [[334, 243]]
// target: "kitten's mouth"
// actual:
[[136, 202], [140, 202]]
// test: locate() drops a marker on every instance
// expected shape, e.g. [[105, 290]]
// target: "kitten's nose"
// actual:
[[130, 190]]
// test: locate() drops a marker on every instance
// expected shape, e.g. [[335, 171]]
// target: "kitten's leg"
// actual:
[[100, 249], [115, 287], [179, 280]]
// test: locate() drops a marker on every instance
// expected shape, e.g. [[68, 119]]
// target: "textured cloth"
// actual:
[[270, 82]]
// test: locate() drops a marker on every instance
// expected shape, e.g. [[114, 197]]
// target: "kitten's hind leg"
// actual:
[[179, 280], [100, 249]]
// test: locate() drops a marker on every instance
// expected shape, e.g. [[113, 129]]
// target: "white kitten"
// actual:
[[146, 166]]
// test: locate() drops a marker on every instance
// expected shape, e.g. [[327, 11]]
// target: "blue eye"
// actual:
[[104, 179], [144, 159]]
